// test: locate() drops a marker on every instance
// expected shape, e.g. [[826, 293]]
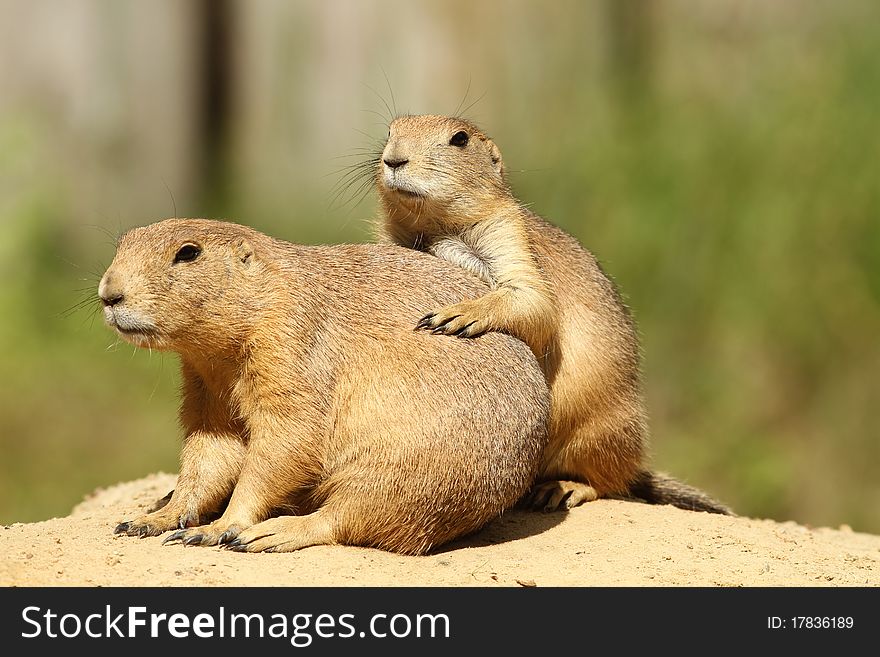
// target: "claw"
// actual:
[[122, 528], [227, 537], [463, 331], [176, 536], [539, 499], [439, 327], [233, 543], [425, 321], [187, 520], [194, 540], [550, 507], [238, 548]]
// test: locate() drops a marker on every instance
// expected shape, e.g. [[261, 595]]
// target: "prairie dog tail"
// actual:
[[660, 488]]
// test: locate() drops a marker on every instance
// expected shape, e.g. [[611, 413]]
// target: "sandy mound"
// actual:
[[602, 543]]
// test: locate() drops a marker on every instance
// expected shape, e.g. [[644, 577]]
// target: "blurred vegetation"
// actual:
[[721, 160]]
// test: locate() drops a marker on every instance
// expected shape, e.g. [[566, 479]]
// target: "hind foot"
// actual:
[[284, 534], [553, 495]]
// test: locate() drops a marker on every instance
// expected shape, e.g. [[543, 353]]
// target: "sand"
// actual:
[[603, 543]]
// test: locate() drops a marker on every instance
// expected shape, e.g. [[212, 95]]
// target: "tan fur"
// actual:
[[452, 201], [306, 392]]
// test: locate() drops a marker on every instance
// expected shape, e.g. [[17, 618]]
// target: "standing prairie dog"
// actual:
[[442, 189], [306, 393]]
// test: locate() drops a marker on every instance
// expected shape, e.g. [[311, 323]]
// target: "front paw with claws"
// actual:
[[159, 522], [216, 533], [466, 320]]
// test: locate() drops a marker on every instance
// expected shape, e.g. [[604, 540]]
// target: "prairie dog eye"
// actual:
[[187, 253], [459, 139]]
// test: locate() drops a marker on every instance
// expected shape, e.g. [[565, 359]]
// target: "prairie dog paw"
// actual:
[[158, 522], [466, 320], [284, 534], [217, 533], [552, 495]]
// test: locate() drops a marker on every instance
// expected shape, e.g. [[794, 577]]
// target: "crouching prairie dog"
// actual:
[[313, 413], [443, 191]]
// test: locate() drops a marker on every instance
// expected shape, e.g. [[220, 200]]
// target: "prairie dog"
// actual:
[[313, 413], [443, 191]]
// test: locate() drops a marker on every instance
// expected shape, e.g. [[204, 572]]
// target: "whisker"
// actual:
[[352, 177], [346, 183], [348, 176], [356, 167], [365, 134], [363, 151], [384, 102], [464, 98], [79, 305], [114, 238], [390, 91], [173, 204], [158, 378], [379, 114], [361, 188], [468, 108]]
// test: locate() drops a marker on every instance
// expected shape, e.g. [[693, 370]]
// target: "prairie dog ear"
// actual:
[[244, 251], [495, 153]]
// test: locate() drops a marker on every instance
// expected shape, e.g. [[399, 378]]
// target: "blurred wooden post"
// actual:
[[217, 51], [631, 48]]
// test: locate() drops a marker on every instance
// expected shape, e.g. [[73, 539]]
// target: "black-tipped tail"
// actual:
[[660, 488]]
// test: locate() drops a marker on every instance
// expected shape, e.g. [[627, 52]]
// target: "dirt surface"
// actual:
[[601, 543]]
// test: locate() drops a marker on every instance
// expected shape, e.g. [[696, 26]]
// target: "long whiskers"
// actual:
[[90, 302], [469, 107], [463, 98], [355, 182], [357, 179]]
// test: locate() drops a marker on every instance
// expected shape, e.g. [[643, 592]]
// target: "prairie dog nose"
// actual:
[[112, 299], [394, 163], [108, 294]]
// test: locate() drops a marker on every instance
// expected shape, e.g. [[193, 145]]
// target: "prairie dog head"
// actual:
[[178, 285], [438, 168]]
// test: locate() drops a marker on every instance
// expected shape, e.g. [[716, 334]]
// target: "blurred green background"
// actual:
[[720, 158]]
